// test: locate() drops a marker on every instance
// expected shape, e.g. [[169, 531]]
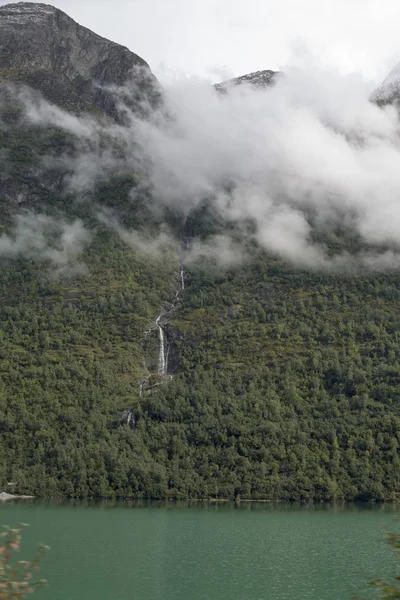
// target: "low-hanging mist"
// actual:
[[311, 154], [54, 241], [304, 163]]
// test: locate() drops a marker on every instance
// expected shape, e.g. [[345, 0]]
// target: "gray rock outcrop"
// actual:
[[389, 90], [70, 65], [4, 496], [258, 79]]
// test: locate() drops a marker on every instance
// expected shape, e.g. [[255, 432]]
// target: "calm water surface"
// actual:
[[205, 551]]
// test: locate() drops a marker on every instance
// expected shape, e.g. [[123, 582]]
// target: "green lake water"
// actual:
[[122, 551]]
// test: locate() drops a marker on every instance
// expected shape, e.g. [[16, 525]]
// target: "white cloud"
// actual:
[[44, 238], [312, 150], [313, 144]]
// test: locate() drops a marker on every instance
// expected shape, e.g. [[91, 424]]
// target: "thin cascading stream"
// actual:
[[130, 420], [163, 352], [162, 359]]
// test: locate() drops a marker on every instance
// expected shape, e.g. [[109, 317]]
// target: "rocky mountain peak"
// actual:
[[23, 13], [389, 90], [257, 79], [44, 48]]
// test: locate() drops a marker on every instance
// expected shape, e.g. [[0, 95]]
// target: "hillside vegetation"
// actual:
[[284, 382]]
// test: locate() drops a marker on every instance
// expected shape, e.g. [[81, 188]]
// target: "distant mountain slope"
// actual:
[[43, 47], [258, 79], [280, 383], [389, 90]]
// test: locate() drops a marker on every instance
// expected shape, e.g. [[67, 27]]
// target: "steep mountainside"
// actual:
[[43, 47], [132, 363], [389, 90]]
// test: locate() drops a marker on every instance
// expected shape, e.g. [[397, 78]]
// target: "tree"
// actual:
[[389, 591], [16, 577]]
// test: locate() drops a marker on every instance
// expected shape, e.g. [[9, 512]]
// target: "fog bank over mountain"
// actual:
[[297, 161], [310, 152]]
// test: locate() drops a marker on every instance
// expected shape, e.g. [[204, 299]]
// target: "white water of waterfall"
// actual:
[[166, 358], [182, 280], [162, 361]]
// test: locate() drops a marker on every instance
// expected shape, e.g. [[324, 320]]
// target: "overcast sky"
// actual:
[[219, 38]]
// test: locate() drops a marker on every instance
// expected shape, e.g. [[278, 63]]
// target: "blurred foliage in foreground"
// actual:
[[17, 577], [390, 590]]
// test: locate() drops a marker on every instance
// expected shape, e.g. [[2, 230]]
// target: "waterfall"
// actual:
[[166, 358], [142, 383], [162, 361], [127, 416], [164, 346]]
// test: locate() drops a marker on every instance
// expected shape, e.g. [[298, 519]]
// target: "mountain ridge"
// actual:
[[256, 79], [43, 47], [281, 383], [389, 90]]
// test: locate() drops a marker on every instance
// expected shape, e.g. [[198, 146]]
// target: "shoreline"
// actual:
[[4, 496]]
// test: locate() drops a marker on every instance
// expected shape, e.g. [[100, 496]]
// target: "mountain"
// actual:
[[136, 359], [389, 89], [70, 65], [257, 79]]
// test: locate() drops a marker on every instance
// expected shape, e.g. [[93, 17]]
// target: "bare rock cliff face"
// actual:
[[70, 65]]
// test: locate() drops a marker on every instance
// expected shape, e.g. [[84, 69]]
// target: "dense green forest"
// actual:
[[283, 383]]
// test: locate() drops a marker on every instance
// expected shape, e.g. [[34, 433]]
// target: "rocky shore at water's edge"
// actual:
[[5, 496]]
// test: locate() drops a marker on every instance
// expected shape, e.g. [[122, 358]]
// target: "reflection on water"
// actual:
[[213, 505]]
